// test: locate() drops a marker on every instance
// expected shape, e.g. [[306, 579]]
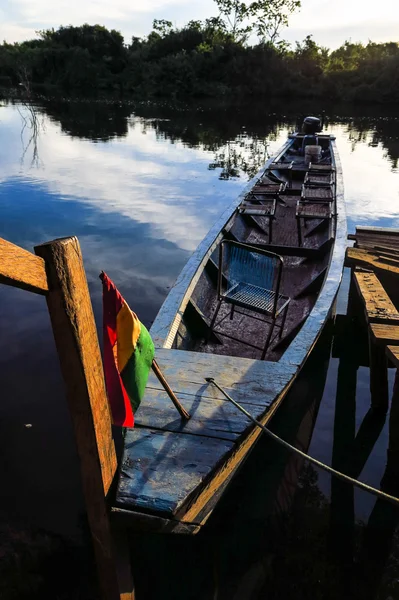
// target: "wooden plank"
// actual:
[[393, 355], [378, 376], [77, 345], [314, 285], [163, 483], [378, 231], [22, 269], [356, 257], [378, 305], [252, 382], [385, 334], [142, 522], [387, 250], [211, 418], [389, 260], [160, 469]]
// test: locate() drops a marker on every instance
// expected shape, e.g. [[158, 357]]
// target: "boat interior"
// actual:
[[251, 302]]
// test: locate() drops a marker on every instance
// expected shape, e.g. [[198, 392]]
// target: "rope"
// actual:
[[314, 461]]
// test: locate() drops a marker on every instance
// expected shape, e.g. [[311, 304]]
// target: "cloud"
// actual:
[[356, 19], [139, 177]]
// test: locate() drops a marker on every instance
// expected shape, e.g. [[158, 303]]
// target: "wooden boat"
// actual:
[[258, 502], [170, 473], [173, 472]]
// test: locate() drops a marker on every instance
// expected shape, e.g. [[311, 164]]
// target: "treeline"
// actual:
[[200, 60]]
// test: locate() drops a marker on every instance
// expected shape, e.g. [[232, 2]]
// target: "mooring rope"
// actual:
[[318, 463]]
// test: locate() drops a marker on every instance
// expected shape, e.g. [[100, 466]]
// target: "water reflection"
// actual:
[[140, 186]]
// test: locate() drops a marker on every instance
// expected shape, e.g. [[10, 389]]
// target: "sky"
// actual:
[[330, 22]]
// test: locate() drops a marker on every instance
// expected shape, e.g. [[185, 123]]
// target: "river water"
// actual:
[[140, 186]]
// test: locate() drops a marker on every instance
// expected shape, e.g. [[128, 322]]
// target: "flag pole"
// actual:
[[182, 411]]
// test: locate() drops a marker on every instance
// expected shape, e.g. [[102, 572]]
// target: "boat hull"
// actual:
[[173, 472]]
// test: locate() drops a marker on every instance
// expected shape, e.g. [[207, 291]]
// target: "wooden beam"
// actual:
[[385, 334], [379, 307], [355, 257], [393, 355], [147, 523], [378, 376], [75, 336], [22, 269]]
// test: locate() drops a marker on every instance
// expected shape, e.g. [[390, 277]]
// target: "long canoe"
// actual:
[[173, 472]]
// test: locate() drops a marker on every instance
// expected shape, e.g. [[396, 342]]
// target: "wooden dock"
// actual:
[[374, 263]]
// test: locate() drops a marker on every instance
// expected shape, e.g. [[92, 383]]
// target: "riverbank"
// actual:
[[199, 60]]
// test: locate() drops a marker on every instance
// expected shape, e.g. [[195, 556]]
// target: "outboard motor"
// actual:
[[311, 125], [310, 144]]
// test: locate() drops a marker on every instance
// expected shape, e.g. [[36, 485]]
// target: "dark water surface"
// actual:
[[140, 187]]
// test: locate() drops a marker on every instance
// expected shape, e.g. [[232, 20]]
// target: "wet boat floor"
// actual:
[[298, 272]]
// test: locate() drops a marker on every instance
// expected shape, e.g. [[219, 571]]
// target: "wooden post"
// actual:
[[378, 375], [76, 339]]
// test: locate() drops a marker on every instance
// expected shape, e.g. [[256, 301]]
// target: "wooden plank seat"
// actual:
[[320, 168], [317, 194], [283, 166], [268, 189], [311, 210], [260, 208], [318, 180]]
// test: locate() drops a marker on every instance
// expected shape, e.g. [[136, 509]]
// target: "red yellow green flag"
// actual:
[[128, 355]]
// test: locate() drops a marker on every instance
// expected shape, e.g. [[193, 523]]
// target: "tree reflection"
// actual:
[[235, 135], [96, 121]]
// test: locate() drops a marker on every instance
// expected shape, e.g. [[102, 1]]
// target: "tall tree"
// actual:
[[266, 18]]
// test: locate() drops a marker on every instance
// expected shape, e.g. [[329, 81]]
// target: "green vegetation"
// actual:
[[204, 59]]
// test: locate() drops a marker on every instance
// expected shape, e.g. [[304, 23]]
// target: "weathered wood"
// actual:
[[250, 381], [250, 221], [378, 376], [389, 260], [141, 522], [355, 257], [212, 418], [323, 224], [387, 249], [22, 269], [160, 470], [76, 339], [393, 355], [204, 502], [385, 334], [379, 307], [314, 285]]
